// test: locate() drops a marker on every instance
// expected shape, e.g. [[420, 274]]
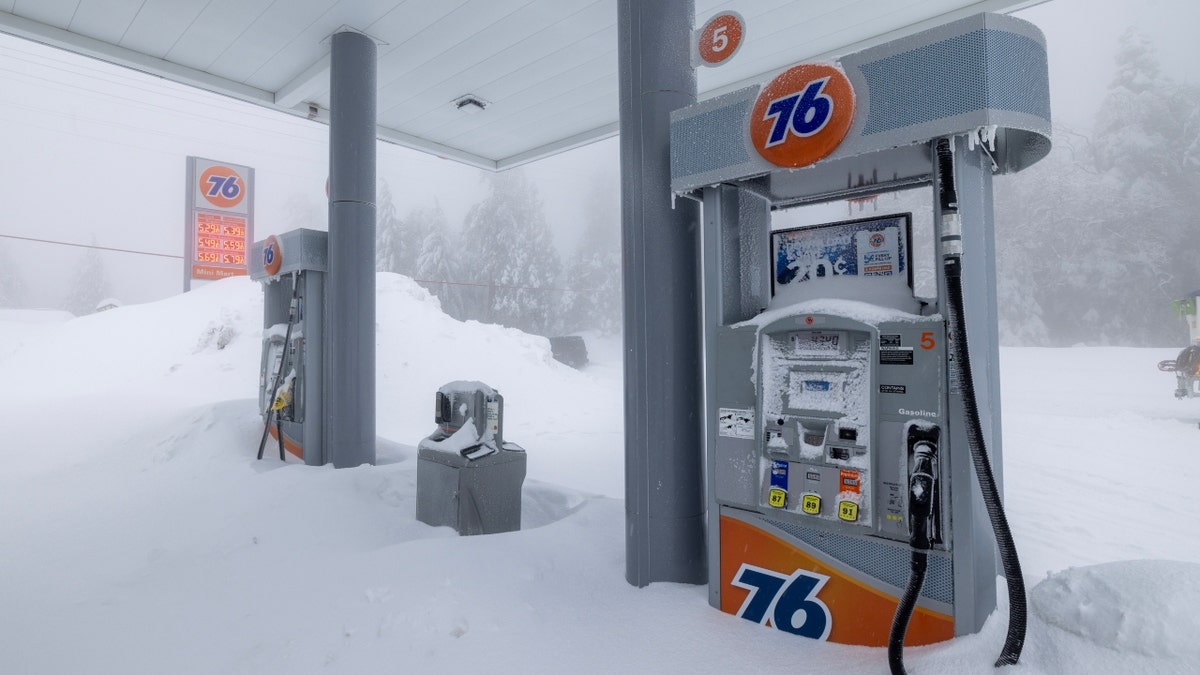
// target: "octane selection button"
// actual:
[[848, 511]]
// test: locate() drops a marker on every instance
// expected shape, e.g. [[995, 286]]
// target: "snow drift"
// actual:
[[139, 535]]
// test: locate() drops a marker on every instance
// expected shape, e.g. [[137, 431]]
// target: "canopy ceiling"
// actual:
[[547, 69]]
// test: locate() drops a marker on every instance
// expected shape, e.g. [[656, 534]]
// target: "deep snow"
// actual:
[[139, 535]]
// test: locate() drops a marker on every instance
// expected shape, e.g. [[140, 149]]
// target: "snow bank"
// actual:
[[1143, 606], [204, 347]]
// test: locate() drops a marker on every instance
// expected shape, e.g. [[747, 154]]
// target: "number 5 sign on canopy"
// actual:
[[718, 40]]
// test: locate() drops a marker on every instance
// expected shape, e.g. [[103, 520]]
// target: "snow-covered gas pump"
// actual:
[[842, 411], [292, 269]]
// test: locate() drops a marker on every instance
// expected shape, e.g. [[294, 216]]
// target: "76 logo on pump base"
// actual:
[[802, 115], [788, 603]]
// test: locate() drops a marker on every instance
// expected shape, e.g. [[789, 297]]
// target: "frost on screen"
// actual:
[[835, 388], [862, 259]]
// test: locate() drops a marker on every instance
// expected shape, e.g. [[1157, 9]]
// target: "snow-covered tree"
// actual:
[[12, 286], [508, 251], [89, 285], [1096, 240], [389, 237], [398, 240], [593, 274], [434, 269]]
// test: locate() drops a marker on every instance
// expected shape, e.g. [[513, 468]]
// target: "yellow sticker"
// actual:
[[777, 498], [848, 511], [811, 504]]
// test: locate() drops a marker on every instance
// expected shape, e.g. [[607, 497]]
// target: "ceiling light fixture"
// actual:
[[470, 103]]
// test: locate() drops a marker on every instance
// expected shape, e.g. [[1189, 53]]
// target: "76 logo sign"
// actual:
[[788, 603], [222, 186], [803, 113]]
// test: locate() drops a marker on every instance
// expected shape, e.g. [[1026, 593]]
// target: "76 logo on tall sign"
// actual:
[[802, 115], [222, 187]]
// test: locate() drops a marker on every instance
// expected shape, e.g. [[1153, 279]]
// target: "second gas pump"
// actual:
[[846, 423]]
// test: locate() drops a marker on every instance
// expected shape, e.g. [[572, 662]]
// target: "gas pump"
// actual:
[[291, 268], [843, 414]]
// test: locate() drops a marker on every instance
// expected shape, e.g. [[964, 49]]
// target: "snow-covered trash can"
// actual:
[[467, 477]]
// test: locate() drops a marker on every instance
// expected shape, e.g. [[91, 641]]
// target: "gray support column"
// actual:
[[350, 299], [314, 345], [664, 451]]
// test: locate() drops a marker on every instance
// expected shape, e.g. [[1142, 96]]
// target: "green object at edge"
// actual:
[[1185, 306]]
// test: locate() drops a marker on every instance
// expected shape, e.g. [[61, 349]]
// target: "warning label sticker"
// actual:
[[735, 422], [896, 356]]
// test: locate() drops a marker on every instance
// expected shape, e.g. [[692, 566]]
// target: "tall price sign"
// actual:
[[220, 219]]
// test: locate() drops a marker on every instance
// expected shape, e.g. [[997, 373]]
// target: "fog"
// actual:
[[94, 154]]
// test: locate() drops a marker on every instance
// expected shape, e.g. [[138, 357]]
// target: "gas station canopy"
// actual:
[[491, 83]]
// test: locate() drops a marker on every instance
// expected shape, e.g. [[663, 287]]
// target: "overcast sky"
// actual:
[[94, 153]]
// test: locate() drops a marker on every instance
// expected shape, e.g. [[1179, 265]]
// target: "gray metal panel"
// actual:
[[877, 559], [315, 453], [734, 463], [973, 538], [978, 72], [481, 496]]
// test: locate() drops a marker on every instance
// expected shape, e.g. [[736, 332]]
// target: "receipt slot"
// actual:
[[292, 268], [468, 477], [836, 413]]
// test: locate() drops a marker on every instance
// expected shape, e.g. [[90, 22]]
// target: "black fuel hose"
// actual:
[[292, 312], [920, 506], [1015, 640], [904, 611]]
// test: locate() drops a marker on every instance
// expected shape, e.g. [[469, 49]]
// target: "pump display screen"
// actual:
[[878, 247], [810, 344]]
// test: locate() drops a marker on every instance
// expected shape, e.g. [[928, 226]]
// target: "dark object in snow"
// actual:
[[569, 349], [1186, 367]]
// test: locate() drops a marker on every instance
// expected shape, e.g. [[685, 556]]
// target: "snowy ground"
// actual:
[[139, 535]]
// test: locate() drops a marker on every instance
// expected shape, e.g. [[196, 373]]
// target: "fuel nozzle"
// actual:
[[920, 495], [922, 485]]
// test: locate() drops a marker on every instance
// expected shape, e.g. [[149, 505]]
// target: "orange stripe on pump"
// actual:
[[861, 615], [288, 444]]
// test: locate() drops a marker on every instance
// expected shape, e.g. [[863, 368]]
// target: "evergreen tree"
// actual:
[[12, 286], [593, 275], [508, 252], [389, 239], [1094, 241], [433, 268], [89, 285]]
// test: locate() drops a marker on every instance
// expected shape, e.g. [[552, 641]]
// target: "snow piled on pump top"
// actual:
[[139, 535]]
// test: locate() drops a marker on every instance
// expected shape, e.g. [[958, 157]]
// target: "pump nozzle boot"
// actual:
[[921, 484]]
